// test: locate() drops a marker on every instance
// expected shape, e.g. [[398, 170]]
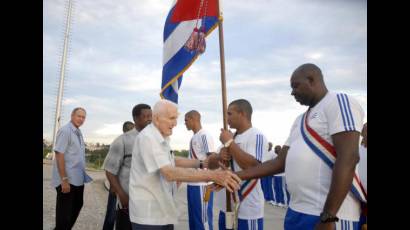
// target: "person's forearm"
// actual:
[[347, 148], [342, 177], [186, 163], [60, 164], [267, 168], [185, 174], [243, 159], [114, 183]]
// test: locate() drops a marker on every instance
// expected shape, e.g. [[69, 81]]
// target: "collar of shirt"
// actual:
[[158, 135], [73, 127]]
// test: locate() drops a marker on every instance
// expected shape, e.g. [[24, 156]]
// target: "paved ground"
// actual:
[[95, 200]]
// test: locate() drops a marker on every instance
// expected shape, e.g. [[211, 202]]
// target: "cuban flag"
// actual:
[[184, 19]]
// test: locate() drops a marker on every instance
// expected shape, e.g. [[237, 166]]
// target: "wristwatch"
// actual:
[[228, 143], [65, 178], [326, 217], [201, 164]]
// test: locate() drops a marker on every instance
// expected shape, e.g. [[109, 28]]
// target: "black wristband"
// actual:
[[201, 164], [326, 217]]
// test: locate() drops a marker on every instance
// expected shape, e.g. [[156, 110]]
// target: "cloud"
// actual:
[[115, 60], [109, 130]]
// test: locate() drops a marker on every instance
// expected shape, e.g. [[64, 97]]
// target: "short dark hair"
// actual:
[[136, 111], [244, 106], [127, 126]]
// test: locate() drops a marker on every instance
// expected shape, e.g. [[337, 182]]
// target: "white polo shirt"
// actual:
[[308, 177], [253, 142], [362, 166], [201, 143], [152, 198]]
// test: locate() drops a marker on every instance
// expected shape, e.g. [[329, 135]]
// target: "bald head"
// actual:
[[193, 121], [164, 116], [307, 84], [194, 115], [309, 70]]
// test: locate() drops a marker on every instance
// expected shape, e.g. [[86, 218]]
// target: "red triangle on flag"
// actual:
[[188, 10]]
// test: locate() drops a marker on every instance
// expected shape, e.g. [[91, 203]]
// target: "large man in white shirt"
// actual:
[[155, 171], [245, 149], [319, 187], [362, 169], [201, 144]]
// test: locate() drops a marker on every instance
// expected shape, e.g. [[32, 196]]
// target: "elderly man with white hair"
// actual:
[[155, 171]]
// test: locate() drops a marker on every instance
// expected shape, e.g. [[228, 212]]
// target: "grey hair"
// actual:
[[76, 109], [161, 106]]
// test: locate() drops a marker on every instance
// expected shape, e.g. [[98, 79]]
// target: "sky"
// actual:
[[115, 61]]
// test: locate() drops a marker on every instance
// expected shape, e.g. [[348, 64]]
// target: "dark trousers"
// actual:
[[122, 221], [68, 206], [110, 213], [152, 227]]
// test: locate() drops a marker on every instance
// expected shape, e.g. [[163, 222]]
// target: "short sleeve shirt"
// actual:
[[308, 178], [70, 142], [152, 197], [118, 159], [201, 143], [253, 142]]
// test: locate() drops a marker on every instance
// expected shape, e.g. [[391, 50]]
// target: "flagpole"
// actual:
[[229, 214], [62, 72]]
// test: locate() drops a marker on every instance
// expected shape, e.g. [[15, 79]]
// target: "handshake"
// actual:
[[221, 176]]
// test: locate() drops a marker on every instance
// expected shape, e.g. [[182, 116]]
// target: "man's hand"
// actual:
[[325, 226], [227, 179], [225, 136], [205, 163], [124, 200], [65, 186], [225, 155]]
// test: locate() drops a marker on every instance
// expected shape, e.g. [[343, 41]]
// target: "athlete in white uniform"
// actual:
[[362, 169], [201, 144], [321, 191], [244, 149]]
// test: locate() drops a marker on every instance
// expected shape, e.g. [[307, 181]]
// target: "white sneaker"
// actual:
[[273, 203]]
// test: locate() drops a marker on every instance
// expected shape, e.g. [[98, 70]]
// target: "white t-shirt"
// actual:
[[152, 198], [308, 177], [253, 142], [201, 143], [270, 155], [362, 166]]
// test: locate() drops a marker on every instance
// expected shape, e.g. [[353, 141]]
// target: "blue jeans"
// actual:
[[110, 214]]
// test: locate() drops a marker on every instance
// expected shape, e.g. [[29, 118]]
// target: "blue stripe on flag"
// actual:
[[170, 94], [341, 110], [169, 25], [177, 64]]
